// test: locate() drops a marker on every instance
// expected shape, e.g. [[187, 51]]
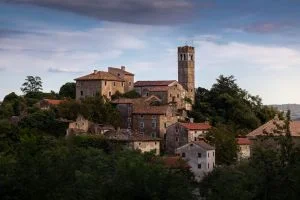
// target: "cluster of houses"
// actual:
[[157, 121]]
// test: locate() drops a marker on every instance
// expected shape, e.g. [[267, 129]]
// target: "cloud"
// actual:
[[266, 27], [2, 69], [129, 11], [64, 70]]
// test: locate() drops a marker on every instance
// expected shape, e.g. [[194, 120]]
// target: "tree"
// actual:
[[68, 90], [32, 84], [223, 138]]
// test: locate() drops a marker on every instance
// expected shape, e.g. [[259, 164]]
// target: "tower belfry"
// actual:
[[186, 70]]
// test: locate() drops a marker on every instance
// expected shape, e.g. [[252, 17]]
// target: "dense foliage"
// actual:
[[32, 84], [226, 103], [273, 172], [43, 167], [68, 90]]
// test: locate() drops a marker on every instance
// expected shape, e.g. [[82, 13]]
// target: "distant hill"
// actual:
[[294, 108]]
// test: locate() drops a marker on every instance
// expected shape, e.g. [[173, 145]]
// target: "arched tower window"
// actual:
[[191, 57], [180, 57], [184, 57]]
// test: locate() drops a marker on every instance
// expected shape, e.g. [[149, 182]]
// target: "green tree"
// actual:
[[68, 90], [223, 138], [32, 84]]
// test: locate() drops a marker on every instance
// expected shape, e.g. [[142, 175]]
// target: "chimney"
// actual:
[[123, 68], [192, 120], [95, 71]]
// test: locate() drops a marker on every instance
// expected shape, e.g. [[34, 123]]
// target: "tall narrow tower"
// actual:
[[186, 70]]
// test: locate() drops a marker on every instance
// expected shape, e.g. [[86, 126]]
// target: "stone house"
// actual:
[[125, 107], [244, 148], [46, 104], [84, 126], [169, 91], [179, 134], [104, 83], [153, 120], [134, 140], [199, 155], [270, 127]]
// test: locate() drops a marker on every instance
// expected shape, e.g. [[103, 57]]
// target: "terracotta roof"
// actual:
[[159, 89], [153, 83], [146, 109], [174, 162], [203, 145], [243, 141], [121, 70], [196, 126], [54, 102], [100, 75], [270, 126]]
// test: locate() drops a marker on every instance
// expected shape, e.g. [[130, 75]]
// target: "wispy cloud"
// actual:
[[2, 69], [267, 27], [130, 11], [64, 70]]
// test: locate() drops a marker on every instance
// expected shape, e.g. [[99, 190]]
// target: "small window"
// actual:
[[213, 154], [177, 95], [153, 135], [199, 166], [122, 84], [118, 74], [109, 94], [153, 124], [147, 94], [191, 145], [208, 154], [184, 57], [105, 83], [191, 57], [213, 164], [114, 83], [165, 125], [177, 130], [129, 83], [183, 155], [177, 139], [207, 165], [142, 124], [140, 144], [153, 117], [81, 93], [142, 116], [195, 139], [199, 155]]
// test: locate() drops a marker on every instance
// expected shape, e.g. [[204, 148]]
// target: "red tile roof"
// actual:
[[270, 126], [128, 135], [175, 162], [100, 75], [54, 102], [153, 83], [196, 126], [123, 101], [123, 71], [243, 141]]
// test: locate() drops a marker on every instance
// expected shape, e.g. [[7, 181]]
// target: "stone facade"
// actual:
[[186, 70], [199, 155], [104, 83], [244, 148], [168, 91], [153, 120], [179, 134]]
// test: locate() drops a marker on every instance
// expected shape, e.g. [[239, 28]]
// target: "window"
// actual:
[[153, 117], [153, 125], [207, 165], [142, 124], [147, 94], [105, 83], [213, 154], [177, 139], [199, 155], [191, 57], [199, 166], [191, 145], [184, 57], [213, 164], [208, 154], [165, 125], [195, 139], [142, 116], [180, 56], [177, 95], [153, 135], [81, 93], [109, 94], [177, 130], [114, 83], [118, 74], [122, 84], [183, 155], [129, 83]]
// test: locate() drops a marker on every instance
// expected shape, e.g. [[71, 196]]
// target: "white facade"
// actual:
[[200, 157]]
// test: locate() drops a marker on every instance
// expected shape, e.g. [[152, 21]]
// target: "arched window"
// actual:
[[180, 57], [184, 57], [191, 57]]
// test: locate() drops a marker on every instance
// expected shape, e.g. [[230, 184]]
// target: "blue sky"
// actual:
[[256, 41]]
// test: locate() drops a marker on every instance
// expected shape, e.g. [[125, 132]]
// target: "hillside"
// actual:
[[294, 108]]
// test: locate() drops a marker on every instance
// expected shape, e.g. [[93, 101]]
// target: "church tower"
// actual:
[[186, 70]]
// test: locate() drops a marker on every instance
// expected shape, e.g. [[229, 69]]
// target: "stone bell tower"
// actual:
[[186, 70]]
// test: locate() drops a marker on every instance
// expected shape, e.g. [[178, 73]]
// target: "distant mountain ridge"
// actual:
[[294, 108]]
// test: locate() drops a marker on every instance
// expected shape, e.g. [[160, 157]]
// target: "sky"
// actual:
[[257, 41]]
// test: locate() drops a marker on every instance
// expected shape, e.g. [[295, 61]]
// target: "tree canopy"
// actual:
[[68, 90], [32, 84]]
